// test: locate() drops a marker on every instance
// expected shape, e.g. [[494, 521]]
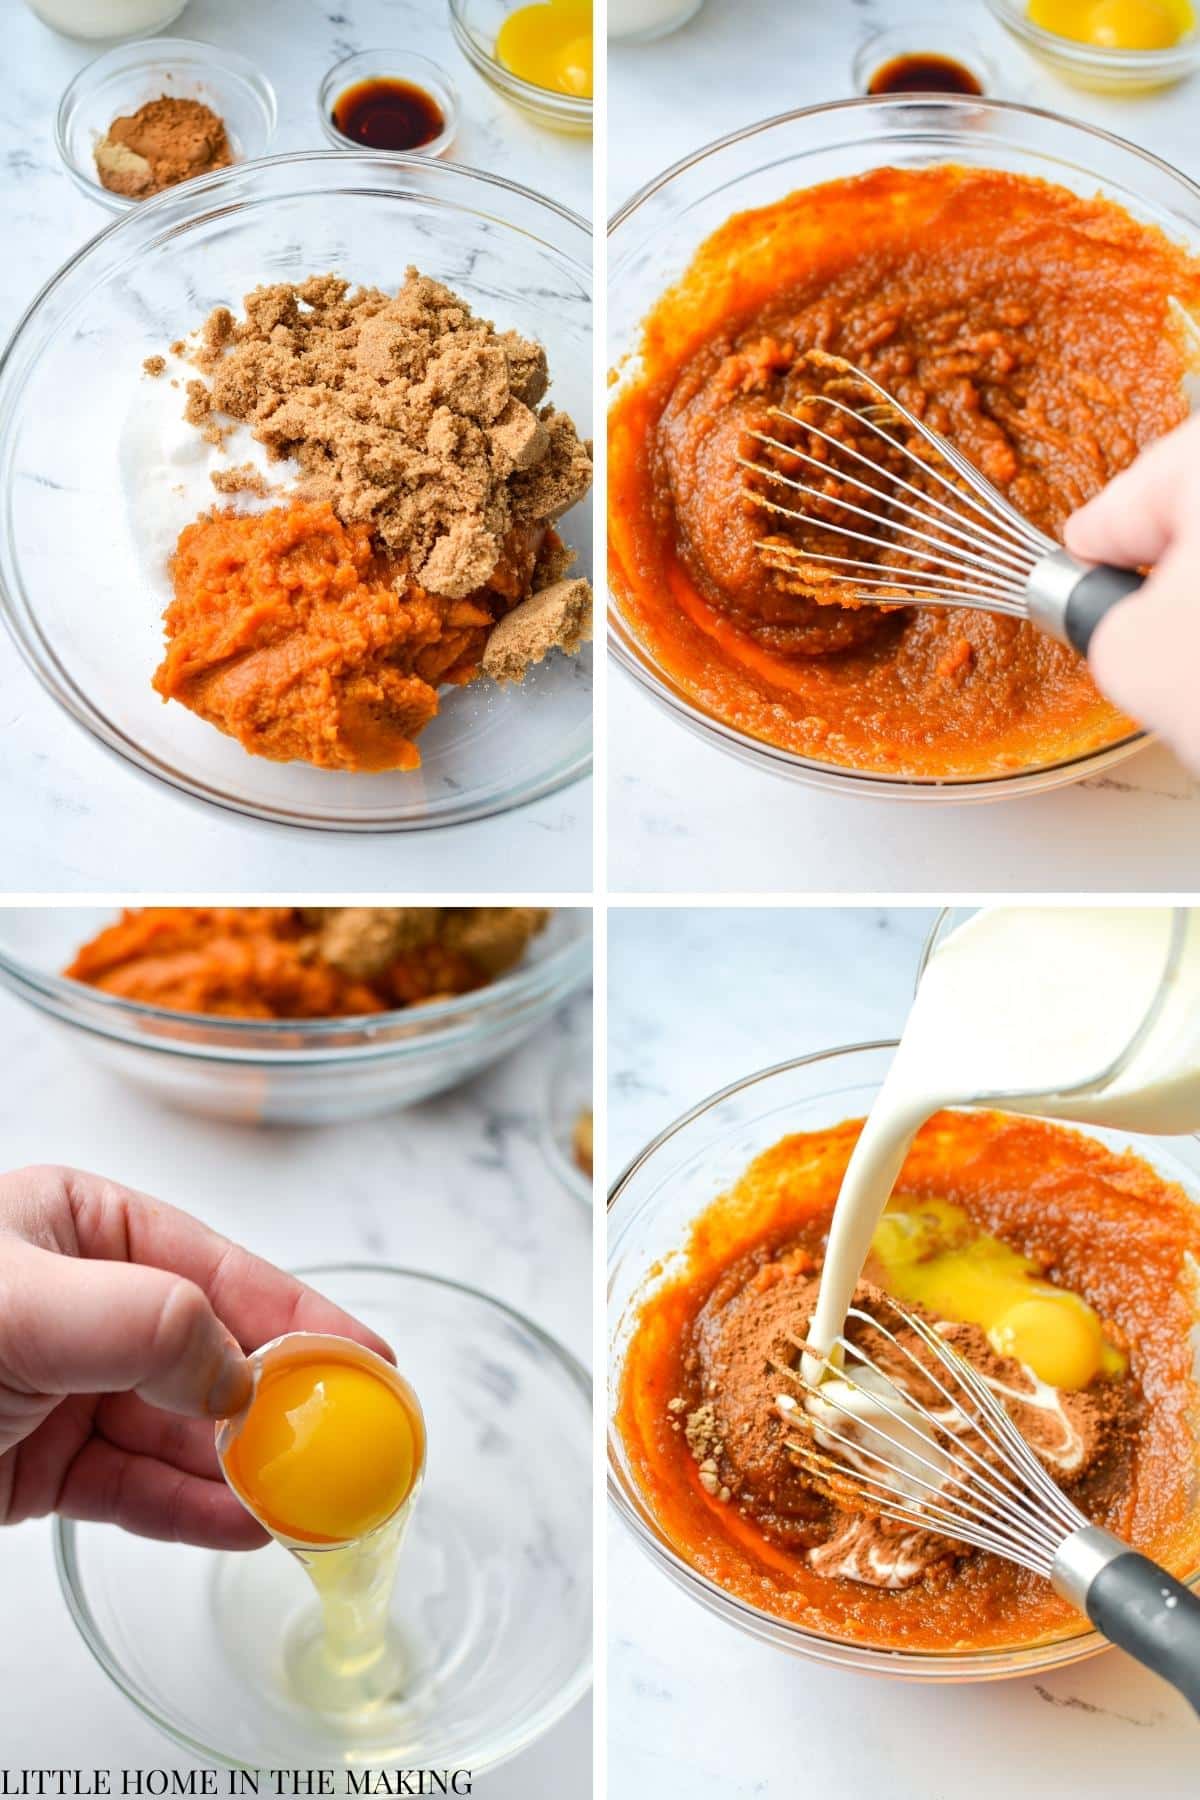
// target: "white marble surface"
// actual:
[[72, 814], [693, 1706], [682, 815], [478, 1202]]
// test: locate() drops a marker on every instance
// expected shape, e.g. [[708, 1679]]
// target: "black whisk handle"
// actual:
[[1137, 1605], [1096, 594], [1068, 598]]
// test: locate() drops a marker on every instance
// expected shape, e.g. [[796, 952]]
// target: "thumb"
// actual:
[[71, 1326]]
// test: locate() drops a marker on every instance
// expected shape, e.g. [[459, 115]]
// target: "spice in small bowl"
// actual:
[[388, 100], [151, 114], [166, 141]]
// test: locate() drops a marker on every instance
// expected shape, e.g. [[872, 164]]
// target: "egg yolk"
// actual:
[[550, 46], [326, 1452], [931, 1253], [1116, 24]]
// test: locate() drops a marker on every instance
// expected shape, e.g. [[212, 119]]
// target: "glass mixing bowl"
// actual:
[[294, 1071], [493, 1598], [654, 236], [83, 609], [651, 1209]]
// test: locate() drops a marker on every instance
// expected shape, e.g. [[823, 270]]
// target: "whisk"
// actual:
[[958, 539], [955, 1464]]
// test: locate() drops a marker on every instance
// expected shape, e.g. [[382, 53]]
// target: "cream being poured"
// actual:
[[1084, 1014]]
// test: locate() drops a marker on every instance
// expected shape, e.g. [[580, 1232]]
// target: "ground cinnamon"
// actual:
[[166, 141]]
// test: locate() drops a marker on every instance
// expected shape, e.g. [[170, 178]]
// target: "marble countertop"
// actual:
[[478, 1202], [683, 815], [74, 816], [693, 1706]]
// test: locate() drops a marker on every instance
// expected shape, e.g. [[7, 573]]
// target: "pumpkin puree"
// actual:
[[283, 962], [1105, 1226], [291, 633], [1032, 328]]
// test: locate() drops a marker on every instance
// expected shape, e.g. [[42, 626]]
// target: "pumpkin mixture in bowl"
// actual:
[[412, 548], [303, 962], [1034, 329], [986, 1205]]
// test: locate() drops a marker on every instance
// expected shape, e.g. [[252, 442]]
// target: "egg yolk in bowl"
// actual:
[[328, 1449]]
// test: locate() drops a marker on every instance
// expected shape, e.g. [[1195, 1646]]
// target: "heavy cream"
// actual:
[[1084, 1014]]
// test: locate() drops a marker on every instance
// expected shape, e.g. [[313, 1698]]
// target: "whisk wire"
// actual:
[[956, 558], [899, 1502], [1004, 1502], [953, 539], [992, 1481], [952, 513], [988, 505], [967, 557]]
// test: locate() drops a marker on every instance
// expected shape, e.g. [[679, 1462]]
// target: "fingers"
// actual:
[[151, 1498], [1141, 647], [127, 1423], [71, 1327], [257, 1301], [1134, 519]]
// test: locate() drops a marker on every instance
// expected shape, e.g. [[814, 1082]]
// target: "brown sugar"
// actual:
[[405, 412], [560, 617], [166, 141], [364, 940]]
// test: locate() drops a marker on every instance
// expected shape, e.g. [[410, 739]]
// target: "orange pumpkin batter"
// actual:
[[255, 962], [292, 634], [1030, 327], [1107, 1227]]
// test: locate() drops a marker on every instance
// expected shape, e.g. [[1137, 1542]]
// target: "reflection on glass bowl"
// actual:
[[492, 1606], [651, 1209], [296, 1072]]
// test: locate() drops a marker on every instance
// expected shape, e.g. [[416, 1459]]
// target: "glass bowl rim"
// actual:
[[992, 1662], [15, 609], [215, 56], [438, 80], [1097, 59], [576, 107], [758, 751], [558, 973], [64, 1531]]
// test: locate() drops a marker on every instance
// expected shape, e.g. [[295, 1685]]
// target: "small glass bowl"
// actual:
[[920, 37], [296, 1071], [651, 1209], [625, 32], [493, 1599], [1088, 66], [475, 24], [389, 65], [123, 79], [71, 22]]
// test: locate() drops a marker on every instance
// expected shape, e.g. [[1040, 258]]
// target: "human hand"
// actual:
[[1145, 653], [123, 1326]]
